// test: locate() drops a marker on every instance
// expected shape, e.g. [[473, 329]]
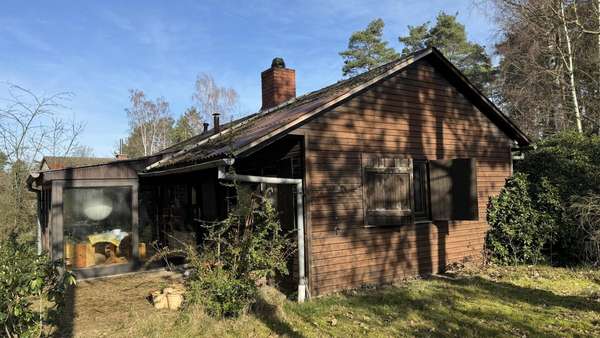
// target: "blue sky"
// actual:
[[98, 50]]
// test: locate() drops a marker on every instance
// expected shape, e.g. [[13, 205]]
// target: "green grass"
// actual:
[[523, 301]]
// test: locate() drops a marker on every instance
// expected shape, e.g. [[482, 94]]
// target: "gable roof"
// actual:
[[61, 162], [241, 136]]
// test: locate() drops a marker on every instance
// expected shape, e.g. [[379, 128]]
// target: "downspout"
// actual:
[[30, 180], [39, 224], [223, 175]]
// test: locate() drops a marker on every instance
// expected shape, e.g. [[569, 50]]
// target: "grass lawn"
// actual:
[[521, 301]]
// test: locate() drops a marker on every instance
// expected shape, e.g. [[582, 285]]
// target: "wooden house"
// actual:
[[384, 175]]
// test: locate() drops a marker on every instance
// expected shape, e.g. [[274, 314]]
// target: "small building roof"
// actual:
[[61, 162]]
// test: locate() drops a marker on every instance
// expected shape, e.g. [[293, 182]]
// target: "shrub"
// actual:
[[221, 294], [248, 246], [570, 163], [586, 212], [543, 212], [26, 281], [521, 226]]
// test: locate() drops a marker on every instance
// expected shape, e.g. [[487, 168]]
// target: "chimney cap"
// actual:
[[278, 63]]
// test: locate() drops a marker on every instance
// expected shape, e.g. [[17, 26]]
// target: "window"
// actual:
[[421, 190], [387, 183], [399, 191], [97, 225]]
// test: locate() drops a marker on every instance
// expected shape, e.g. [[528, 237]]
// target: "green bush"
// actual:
[[520, 226], [569, 162], [543, 212], [238, 252], [30, 286], [586, 213], [221, 294]]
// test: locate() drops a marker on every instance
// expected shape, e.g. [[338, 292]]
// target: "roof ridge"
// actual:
[[340, 82]]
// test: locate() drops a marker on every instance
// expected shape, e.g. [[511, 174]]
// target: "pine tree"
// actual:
[[449, 36], [366, 50], [188, 125]]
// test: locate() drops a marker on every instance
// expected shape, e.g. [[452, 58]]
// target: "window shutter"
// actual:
[[387, 190], [453, 187]]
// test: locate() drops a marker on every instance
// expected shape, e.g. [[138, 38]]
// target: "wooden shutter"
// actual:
[[453, 187], [387, 190]]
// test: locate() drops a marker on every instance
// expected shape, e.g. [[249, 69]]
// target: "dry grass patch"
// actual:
[[115, 306]]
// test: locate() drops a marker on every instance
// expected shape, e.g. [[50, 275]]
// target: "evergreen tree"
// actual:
[[449, 36], [188, 125], [366, 50]]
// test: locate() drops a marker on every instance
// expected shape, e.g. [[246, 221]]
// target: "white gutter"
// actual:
[[223, 175]]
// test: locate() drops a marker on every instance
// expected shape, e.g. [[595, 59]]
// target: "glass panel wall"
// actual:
[[148, 227], [97, 225]]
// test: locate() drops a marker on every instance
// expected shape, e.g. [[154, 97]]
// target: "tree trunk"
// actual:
[[570, 69], [598, 36]]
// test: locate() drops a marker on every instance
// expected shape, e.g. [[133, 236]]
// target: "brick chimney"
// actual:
[[278, 84]]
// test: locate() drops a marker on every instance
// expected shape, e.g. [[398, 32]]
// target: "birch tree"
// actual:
[[549, 68], [210, 98], [150, 124], [31, 126]]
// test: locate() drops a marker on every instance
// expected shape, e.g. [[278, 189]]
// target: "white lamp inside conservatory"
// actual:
[[97, 208]]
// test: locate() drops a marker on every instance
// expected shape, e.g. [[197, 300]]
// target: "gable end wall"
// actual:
[[418, 114]]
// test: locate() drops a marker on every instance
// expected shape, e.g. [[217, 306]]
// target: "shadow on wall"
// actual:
[[418, 114]]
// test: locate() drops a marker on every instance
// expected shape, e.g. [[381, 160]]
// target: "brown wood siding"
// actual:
[[414, 114]]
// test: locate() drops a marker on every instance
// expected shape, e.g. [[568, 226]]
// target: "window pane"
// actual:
[[420, 190], [97, 226], [419, 205]]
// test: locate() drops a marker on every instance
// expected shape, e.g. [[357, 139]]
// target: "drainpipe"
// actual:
[[30, 180], [223, 175], [39, 224]]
